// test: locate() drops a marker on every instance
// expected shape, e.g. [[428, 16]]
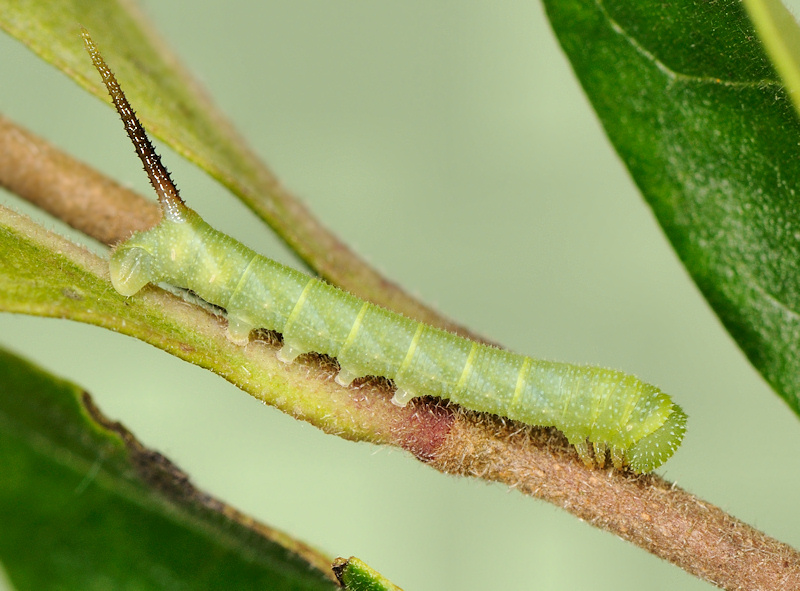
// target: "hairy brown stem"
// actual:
[[69, 189], [645, 510]]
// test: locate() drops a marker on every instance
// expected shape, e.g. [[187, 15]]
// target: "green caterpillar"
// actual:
[[636, 423]]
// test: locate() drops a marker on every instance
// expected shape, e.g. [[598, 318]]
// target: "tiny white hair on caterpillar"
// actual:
[[600, 411]]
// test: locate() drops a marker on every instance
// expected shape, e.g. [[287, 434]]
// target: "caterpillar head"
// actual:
[[146, 257]]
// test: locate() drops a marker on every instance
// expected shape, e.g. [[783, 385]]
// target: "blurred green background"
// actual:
[[450, 144]]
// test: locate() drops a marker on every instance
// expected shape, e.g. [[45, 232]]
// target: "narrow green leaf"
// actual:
[[86, 506], [174, 108], [780, 35], [692, 105], [356, 575]]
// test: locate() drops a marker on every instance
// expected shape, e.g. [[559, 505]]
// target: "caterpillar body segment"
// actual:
[[600, 411]]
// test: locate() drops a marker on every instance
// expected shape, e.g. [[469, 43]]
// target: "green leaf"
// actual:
[[691, 103], [173, 107], [356, 575], [86, 506]]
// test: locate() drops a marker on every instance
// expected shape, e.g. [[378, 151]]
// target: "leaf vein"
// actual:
[[673, 75]]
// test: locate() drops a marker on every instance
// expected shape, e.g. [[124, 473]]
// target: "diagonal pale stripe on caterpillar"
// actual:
[[637, 423]]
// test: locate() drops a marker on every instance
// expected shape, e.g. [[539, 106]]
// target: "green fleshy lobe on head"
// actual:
[[130, 269]]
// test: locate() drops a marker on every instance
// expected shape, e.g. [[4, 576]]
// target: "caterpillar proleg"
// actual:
[[600, 411]]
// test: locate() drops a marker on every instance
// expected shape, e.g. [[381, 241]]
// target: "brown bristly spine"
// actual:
[[171, 203]]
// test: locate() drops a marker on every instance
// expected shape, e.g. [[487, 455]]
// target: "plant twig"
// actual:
[[69, 189]]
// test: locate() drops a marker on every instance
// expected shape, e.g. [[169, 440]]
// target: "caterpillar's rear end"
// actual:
[[600, 411], [610, 411]]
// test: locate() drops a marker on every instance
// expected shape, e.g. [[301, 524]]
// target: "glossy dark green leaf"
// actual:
[[83, 506], [693, 106]]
